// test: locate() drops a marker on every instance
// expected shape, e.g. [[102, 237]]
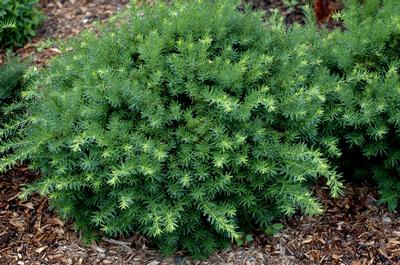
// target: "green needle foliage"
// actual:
[[363, 110], [12, 81], [188, 124], [18, 21], [193, 123]]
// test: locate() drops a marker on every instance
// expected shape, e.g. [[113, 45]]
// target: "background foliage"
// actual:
[[363, 110], [18, 21], [12, 81]]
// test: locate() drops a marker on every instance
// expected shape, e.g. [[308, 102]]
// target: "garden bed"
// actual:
[[353, 230], [65, 19]]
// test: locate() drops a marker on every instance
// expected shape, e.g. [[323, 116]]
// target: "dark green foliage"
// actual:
[[12, 73], [363, 110], [188, 124], [18, 21], [194, 123]]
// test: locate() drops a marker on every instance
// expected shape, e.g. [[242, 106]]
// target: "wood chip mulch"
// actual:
[[64, 19], [32, 234], [292, 13], [354, 230], [293, 10]]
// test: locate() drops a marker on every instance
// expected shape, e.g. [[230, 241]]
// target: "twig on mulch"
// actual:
[[126, 245]]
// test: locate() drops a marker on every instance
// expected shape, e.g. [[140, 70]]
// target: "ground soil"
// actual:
[[354, 230], [64, 19]]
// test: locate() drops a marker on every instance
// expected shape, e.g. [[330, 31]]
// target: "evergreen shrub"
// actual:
[[18, 21], [362, 113], [188, 124], [12, 81]]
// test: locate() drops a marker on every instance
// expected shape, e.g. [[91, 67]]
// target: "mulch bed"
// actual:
[[292, 13], [354, 230], [64, 19]]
